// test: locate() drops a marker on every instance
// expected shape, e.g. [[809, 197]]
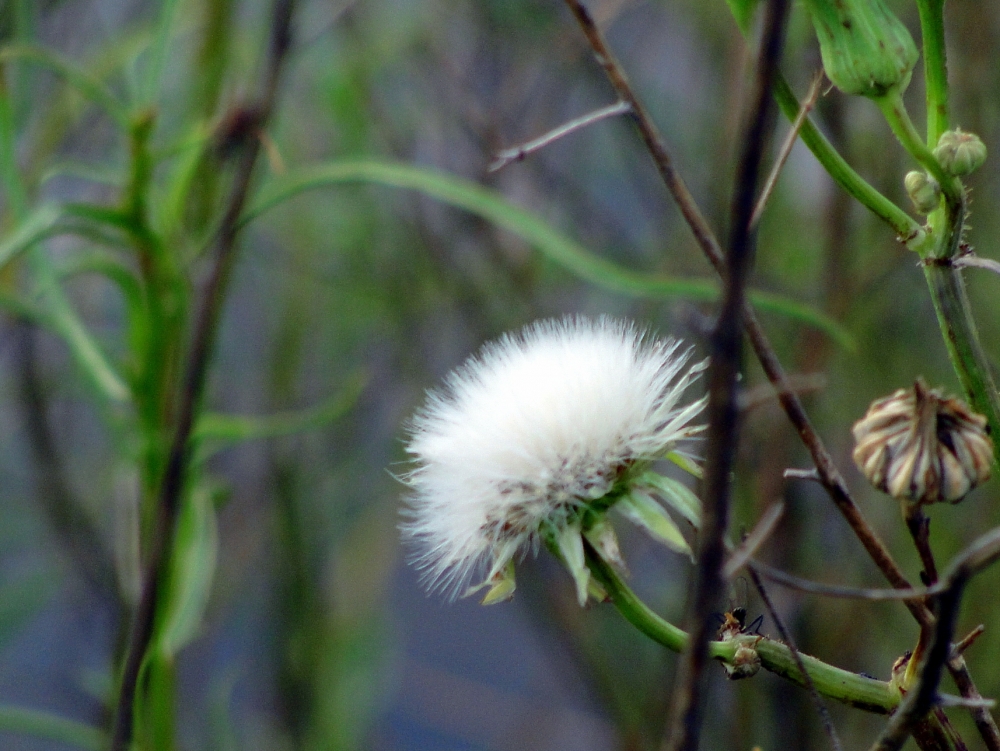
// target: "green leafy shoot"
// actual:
[[554, 245]]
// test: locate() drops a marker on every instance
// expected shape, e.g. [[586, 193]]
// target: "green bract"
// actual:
[[866, 49]]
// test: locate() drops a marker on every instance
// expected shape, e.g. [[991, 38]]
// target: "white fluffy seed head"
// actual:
[[534, 426]]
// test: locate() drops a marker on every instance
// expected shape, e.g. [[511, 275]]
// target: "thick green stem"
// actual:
[[844, 686], [958, 327], [905, 226], [962, 340], [935, 68]]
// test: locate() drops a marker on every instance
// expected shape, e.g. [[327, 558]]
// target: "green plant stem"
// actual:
[[842, 685], [894, 111], [951, 303], [962, 340], [178, 464], [935, 68], [908, 230]]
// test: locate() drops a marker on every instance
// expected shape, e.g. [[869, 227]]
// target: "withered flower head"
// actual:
[[919, 446]]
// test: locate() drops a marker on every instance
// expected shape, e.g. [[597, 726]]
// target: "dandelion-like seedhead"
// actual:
[[539, 427]]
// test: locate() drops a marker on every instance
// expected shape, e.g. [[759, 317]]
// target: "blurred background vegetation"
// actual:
[[315, 634]]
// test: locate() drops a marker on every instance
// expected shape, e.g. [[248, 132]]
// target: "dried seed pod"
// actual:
[[919, 446]]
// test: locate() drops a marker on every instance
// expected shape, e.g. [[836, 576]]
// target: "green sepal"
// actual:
[[569, 541], [676, 495], [686, 463], [501, 586], [642, 509], [604, 540]]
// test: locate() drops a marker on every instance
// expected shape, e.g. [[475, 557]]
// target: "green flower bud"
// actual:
[[959, 152], [923, 190], [866, 50]]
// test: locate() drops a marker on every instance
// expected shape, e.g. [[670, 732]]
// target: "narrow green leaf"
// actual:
[[67, 324], [91, 88], [38, 225], [109, 266], [192, 570], [91, 173], [557, 247], [226, 430], [51, 727], [676, 495], [51, 301], [103, 215], [643, 510], [47, 220], [158, 50]]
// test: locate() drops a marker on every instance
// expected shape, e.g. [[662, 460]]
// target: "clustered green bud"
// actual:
[[959, 152], [923, 190], [866, 50]]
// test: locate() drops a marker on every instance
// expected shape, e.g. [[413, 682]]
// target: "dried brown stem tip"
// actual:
[[919, 446]]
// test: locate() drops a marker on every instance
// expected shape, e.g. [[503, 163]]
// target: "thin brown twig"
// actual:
[[969, 639], [971, 260], [803, 474], [786, 148], [982, 552], [213, 297], [752, 542], [827, 470], [919, 701], [786, 637], [949, 729], [764, 393], [949, 700], [723, 409], [516, 153], [791, 581], [705, 237], [919, 527]]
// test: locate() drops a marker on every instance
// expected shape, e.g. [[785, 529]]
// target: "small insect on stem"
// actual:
[[746, 661]]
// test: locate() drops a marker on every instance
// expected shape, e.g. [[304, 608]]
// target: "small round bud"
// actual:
[[960, 153], [923, 190], [921, 447]]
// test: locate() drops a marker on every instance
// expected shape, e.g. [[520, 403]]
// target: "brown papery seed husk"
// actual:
[[922, 447]]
